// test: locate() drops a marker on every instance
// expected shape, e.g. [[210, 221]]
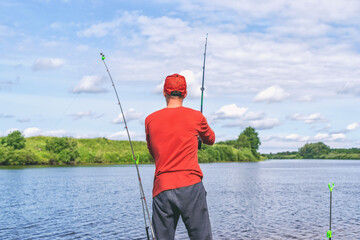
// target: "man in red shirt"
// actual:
[[172, 138]]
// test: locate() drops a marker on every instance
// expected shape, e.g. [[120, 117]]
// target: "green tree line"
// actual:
[[15, 149], [317, 150]]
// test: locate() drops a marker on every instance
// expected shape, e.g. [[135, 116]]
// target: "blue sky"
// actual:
[[290, 69]]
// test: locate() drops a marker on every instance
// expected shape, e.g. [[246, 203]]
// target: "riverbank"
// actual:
[[55, 151]]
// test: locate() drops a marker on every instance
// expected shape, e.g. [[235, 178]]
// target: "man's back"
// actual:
[[172, 136]]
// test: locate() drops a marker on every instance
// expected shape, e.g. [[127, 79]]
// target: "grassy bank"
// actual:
[[68, 151]]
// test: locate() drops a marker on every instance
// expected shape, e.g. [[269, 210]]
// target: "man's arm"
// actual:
[[207, 135], [148, 139], [148, 145]]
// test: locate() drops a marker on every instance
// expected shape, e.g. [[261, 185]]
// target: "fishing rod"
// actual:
[[136, 161], [202, 87], [329, 233]]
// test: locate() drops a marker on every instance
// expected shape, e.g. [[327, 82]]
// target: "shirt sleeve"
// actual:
[[207, 135], [148, 139]]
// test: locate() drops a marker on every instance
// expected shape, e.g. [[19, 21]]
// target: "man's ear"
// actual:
[[164, 93], [185, 95]]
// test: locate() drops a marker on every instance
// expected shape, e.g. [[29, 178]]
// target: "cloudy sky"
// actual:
[[290, 69]]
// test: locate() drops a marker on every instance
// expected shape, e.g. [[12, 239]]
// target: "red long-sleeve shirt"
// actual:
[[172, 139]]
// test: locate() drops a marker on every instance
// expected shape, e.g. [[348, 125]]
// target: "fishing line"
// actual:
[[136, 161]]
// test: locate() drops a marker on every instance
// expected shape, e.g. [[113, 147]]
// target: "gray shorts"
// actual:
[[187, 202]]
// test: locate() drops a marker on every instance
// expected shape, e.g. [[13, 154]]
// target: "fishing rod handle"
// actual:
[[199, 143]]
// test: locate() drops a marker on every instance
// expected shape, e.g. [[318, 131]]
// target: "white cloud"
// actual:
[[193, 83], [104, 28], [48, 64], [336, 10], [271, 94], [264, 123], [337, 136], [329, 11], [230, 111], [322, 136], [5, 31], [352, 126], [82, 48], [243, 118], [329, 137], [297, 138], [52, 44], [56, 25], [305, 98], [90, 84], [254, 115], [302, 28], [352, 88], [325, 128], [312, 118], [159, 88], [88, 135], [56, 133], [122, 135], [293, 136], [249, 60], [34, 131], [31, 132], [130, 115], [88, 114], [153, 28], [98, 30]]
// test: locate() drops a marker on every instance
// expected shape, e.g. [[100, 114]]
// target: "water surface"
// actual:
[[277, 199]]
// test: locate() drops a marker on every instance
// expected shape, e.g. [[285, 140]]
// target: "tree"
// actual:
[[252, 137], [314, 150], [243, 141], [64, 148], [56, 145], [15, 140], [249, 139]]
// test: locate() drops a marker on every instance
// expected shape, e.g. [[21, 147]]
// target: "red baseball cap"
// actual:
[[175, 85]]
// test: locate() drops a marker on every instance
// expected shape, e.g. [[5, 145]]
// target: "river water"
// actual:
[[276, 199]]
